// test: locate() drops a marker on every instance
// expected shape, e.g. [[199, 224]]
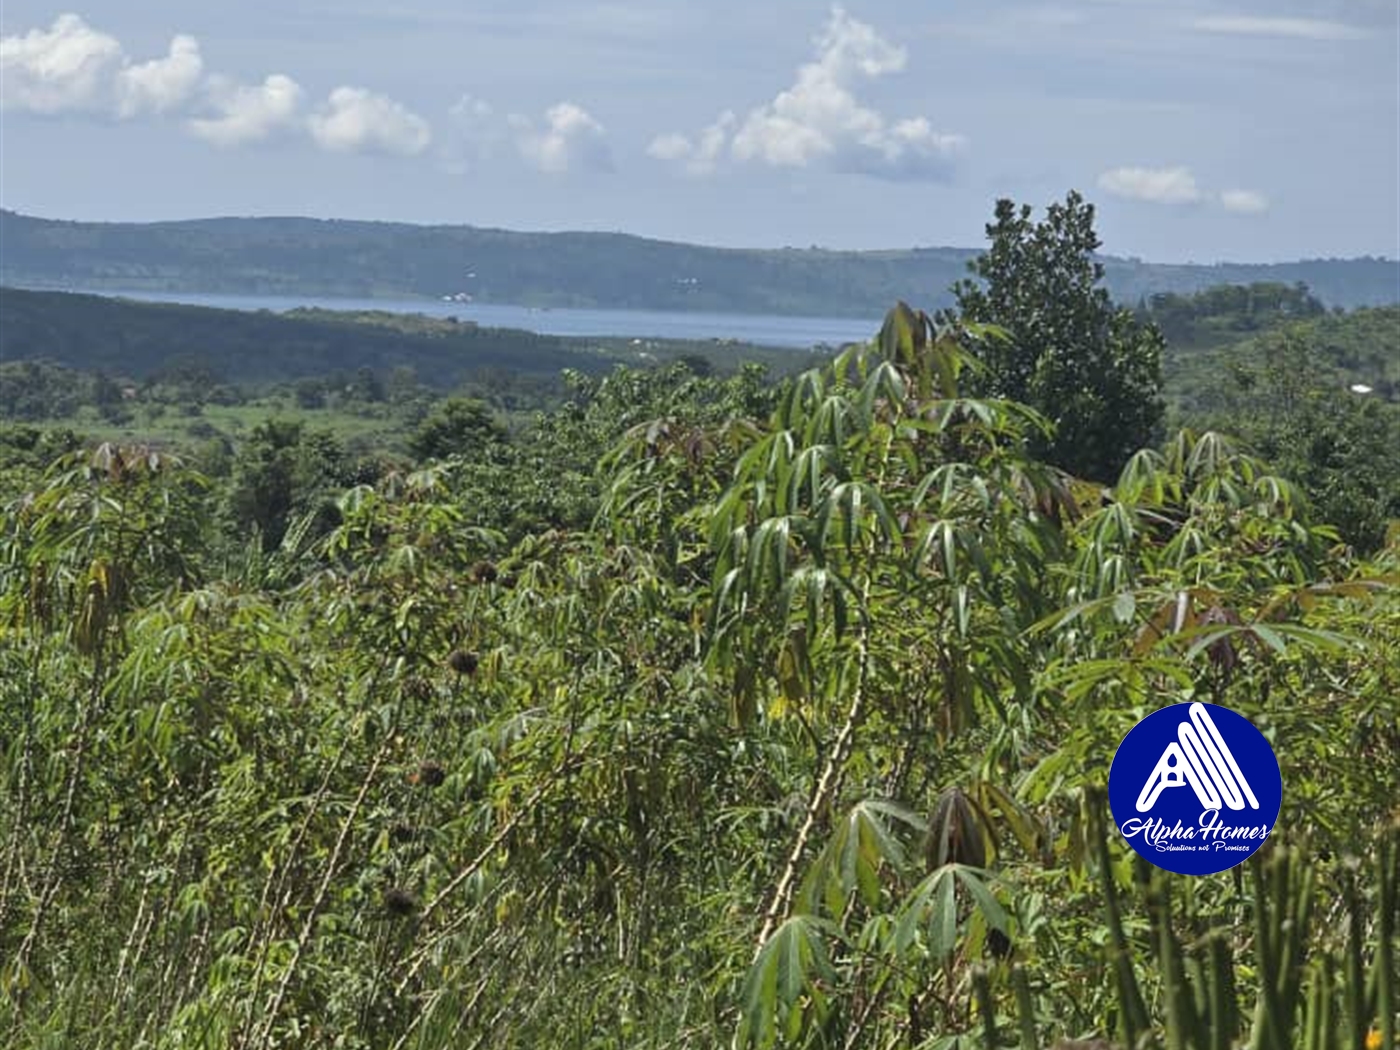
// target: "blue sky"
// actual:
[[1240, 129]]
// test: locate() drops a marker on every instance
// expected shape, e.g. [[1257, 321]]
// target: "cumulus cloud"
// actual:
[[162, 84], [1299, 28], [68, 67], [570, 139], [1176, 185], [73, 68], [567, 139], [1156, 185], [701, 156], [1244, 202], [819, 120], [354, 120], [249, 113]]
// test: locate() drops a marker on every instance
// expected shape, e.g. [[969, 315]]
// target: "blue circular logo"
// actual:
[[1195, 788]]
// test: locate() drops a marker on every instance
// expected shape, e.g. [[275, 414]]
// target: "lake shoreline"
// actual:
[[759, 329]]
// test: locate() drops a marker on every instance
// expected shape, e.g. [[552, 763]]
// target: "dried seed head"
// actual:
[[398, 901], [430, 774], [998, 943], [484, 572], [462, 661]]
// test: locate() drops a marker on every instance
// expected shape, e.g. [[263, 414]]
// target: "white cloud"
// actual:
[[701, 156], [354, 120], [567, 139], [71, 67], [1244, 202], [570, 139], [1176, 185], [67, 67], [672, 146], [1300, 28], [162, 84], [1156, 185], [819, 120], [249, 113]]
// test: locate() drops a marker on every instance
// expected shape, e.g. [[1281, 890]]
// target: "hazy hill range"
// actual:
[[291, 256], [119, 337]]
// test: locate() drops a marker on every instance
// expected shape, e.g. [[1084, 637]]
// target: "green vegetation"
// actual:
[[1341, 446], [1228, 313], [690, 705], [1317, 397], [801, 740], [457, 427], [143, 340], [285, 256], [1362, 347], [1089, 367], [194, 349]]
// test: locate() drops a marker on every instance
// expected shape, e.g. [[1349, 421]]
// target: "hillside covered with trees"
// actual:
[[291, 256], [700, 706], [125, 338]]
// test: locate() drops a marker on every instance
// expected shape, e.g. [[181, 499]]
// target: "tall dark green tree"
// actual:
[[283, 471], [459, 426], [1090, 366]]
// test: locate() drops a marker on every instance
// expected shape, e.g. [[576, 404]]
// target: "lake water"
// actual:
[[763, 329]]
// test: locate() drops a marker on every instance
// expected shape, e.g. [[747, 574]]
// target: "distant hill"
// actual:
[[292, 256], [137, 340]]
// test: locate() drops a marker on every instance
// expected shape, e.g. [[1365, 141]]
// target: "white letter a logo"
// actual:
[[1199, 757]]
